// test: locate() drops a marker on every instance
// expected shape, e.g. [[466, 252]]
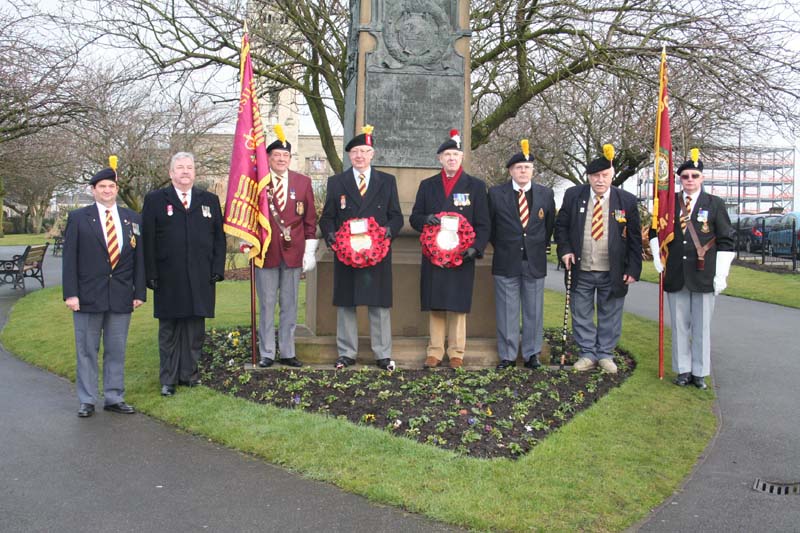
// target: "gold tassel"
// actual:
[[279, 133], [367, 129], [112, 162], [608, 151], [526, 149], [695, 155]]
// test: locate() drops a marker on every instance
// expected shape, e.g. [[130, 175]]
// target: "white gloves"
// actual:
[[724, 260], [656, 251], [310, 255]]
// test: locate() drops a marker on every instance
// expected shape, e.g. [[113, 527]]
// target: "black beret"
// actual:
[[519, 158], [278, 145], [449, 144], [690, 164], [359, 140], [601, 163], [105, 174]]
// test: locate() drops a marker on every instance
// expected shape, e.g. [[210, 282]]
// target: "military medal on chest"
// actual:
[[702, 216]]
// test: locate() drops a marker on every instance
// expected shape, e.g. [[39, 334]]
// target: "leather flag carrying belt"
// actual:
[[701, 250]]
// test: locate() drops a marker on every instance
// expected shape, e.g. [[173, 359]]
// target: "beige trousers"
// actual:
[[455, 324]]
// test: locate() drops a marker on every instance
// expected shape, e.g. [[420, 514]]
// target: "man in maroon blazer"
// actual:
[[291, 251]]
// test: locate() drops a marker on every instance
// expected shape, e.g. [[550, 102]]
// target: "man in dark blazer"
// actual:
[[523, 215], [184, 253], [447, 292], [371, 286], [292, 249], [692, 283], [599, 239], [103, 282]]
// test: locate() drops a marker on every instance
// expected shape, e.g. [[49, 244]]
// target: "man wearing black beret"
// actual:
[[447, 292], [700, 257], [523, 216], [599, 240], [362, 192], [103, 282]]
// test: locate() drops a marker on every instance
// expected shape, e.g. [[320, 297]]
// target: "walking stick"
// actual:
[[566, 317]]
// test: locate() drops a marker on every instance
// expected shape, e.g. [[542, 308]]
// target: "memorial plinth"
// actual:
[[408, 76]]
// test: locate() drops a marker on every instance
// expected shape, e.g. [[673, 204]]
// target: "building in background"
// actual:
[[761, 178]]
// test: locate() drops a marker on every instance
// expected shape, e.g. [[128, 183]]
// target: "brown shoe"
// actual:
[[456, 362], [431, 362]]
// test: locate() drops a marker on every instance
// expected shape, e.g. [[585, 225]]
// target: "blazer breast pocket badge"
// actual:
[[206, 211], [300, 209]]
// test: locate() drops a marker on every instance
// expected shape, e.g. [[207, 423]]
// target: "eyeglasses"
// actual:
[[365, 151], [693, 176]]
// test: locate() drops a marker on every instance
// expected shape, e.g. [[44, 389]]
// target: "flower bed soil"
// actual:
[[483, 413]]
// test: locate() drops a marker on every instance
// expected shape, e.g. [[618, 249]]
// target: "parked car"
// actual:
[[783, 234], [753, 229]]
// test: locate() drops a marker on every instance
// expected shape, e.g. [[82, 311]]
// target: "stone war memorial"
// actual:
[[408, 76]]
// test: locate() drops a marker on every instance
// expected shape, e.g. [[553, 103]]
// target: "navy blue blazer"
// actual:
[[509, 238], [624, 238], [681, 267], [86, 267]]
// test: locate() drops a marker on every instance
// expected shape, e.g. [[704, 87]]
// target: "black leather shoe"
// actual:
[[383, 364], [699, 382], [344, 362], [121, 407], [167, 390], [533, 362], [292, 361], [683, 379], [506, 363], [266, 362], [190, 383], [85, 410]]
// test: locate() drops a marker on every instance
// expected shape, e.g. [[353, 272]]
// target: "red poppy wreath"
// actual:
[[363, 249], [443, 247]]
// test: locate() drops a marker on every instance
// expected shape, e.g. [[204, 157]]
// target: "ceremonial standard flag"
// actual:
[[663, 180], [246, 205]]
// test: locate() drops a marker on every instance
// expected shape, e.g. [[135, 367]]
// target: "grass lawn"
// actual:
[[603, 471], [743, 282], [23, 239]]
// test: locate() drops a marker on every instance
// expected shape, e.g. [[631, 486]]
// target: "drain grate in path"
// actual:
[[769, 487]]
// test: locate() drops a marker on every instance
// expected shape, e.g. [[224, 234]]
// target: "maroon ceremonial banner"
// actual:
[[663, 179], [246, 205]]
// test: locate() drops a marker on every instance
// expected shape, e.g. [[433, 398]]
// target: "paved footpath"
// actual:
[[755, 364], [132, 473]]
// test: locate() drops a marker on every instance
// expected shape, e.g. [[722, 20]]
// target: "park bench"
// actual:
[[28, 264], [58, 246]]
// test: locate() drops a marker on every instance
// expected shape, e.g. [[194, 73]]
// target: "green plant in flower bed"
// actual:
[[482, 413]]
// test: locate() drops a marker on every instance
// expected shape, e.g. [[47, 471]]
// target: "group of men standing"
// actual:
[[177, 249]]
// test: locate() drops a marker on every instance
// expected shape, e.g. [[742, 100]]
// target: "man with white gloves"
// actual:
[[292, 249], [699, 260]]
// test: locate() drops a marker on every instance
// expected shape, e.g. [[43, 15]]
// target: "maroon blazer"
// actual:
[[300, 216]]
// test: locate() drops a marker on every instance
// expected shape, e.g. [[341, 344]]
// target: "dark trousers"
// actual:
[[180, 341]]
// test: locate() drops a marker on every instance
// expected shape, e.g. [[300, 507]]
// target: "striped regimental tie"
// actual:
[[362, 184], [113, 242], [280, 194], [185, 200], [524, 214], [597, 218], [688, 210]]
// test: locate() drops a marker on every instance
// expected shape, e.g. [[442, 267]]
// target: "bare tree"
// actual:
[[38, 88], [143, 126], [33, 169], [523, 52]]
